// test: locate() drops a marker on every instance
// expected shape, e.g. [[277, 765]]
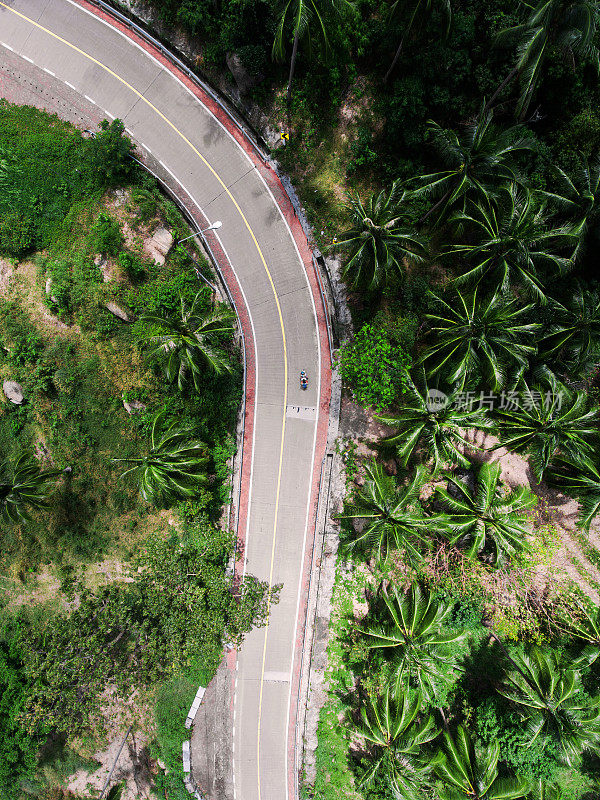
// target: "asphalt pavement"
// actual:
[[166, 118]]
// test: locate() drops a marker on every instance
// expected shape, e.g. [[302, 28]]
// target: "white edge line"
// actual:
[[8, 47], [26, 58]]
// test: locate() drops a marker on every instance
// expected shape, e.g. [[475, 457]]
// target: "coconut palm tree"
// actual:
[[574, 335], [173, 468], [185, 343], [392, 515], [545, 791], [412, 632], [549, 695], [584, 626], [487, 520], [394, 734], [511, 241], [580, 477], [411, 11], [435, 421], [569, 25], [490, 339], [467, 773], [476, 163], [23, 486], [549, 420], [378, 240], [577, 197], [296, 21]]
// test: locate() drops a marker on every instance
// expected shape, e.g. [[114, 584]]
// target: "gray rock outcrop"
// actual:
[[13, 392]]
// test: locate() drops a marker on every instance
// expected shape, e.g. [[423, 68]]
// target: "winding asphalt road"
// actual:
[[69, 42]]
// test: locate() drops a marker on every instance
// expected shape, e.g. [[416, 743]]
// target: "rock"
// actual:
[[13, 392], [123, 314], [159, 245], [244, 81], [133, 407], [121, 197], [104, 267], [49, 284]]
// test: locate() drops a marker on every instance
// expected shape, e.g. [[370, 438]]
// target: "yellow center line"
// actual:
[[277, 303]]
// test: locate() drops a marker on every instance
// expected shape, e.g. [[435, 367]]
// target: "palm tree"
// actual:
[[23, 486], [549, 420], [415, 9], [487, 520], [394, 735], [511, 241], [549, 695], [393, 517], [184, 342], [585, 627], [569, 25], [574, 338], [297, 17], [378, 241], [545, 791], [436, 421], [412, 630], [173, 469], [476, 163], [468, 774], [489, 338], [580, 477], [578, 197]]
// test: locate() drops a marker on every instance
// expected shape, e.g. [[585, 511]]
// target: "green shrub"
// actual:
[[105, 236], [59, 296], [132, 266], [374, 369], [16, 234]]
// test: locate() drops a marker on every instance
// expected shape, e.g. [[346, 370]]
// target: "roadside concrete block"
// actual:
[[187, 764], [195, 706]]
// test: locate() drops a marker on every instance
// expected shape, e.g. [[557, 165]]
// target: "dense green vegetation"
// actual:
[[466, 138], [113, 567]]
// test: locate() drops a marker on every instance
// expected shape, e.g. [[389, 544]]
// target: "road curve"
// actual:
[[123, 77]]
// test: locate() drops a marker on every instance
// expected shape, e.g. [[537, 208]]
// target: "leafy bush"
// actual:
[[110, 154], [17, 748], [375, 370], [105, 236], [132, 266], [59, 296]]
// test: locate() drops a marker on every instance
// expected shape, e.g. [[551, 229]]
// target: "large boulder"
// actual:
[[124, 314], [13, 391], [133, 406], [159, 245]]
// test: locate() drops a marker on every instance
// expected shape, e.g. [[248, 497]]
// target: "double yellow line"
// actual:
[[264, 263]]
